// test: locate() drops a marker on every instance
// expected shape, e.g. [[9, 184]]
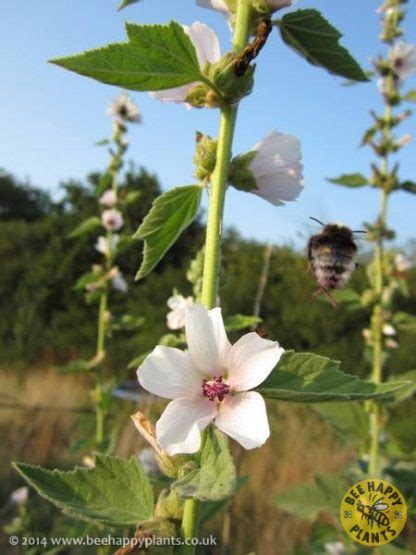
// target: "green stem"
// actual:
[[219, 181], [219, 178], [377, 326]]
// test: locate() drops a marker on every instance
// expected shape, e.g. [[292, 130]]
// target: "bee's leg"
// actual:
[[330, 298], [316, 294]]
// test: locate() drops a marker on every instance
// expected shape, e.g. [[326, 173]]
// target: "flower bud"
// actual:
[[205, 156], [231, 86]]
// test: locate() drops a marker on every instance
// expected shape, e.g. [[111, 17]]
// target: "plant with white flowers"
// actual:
[[105, 275], [217, 390], [383, 431]]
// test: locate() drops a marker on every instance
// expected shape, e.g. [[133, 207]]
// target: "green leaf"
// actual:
[[104, 183], [348, 298], [116, 492], [86, 226], [156, 57], [410, 96], [211, 508], [310, 378], [86, 279], [405, 321], [407, 391], [131, 197], [240, 322], [408, 186], [170, 214], [215, 477], [350, 180], [349, 420], [124, 3], [308, 500], [316, 40]]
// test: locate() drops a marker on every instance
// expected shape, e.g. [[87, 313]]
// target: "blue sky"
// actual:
[[50, 118]]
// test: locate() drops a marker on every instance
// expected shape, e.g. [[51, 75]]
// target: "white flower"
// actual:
[[335, 548], [178, 305], [277, 168], [123, 109], [403, 141], [218, 5], [389, 330], [112, 219], [383, 85], [20, 496], [207, 48], [210, 383], [147, 458], [108, 199], [401, 263], [118, 282], [403, 59], [392, 344], [107, 245]]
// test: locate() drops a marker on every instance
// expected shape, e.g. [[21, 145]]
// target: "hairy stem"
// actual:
[[212, 259]]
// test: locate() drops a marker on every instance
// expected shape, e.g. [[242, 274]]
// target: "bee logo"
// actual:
[[373, 512], [332, 258]]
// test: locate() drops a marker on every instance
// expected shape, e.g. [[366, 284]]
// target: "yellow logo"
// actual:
[[373, 512]]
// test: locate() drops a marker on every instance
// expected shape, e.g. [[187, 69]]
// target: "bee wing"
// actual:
[[381, 506]]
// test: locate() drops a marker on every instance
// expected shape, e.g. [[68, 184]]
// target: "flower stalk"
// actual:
[[212, 259]]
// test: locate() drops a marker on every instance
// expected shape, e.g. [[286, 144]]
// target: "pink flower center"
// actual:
[[215, 389], [398, 64]]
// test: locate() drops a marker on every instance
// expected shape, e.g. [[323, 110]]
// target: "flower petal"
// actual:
[[169, 373], [250, 361], [207, 339], [244, 418], [177, 94], [206, 43], [178, 429]]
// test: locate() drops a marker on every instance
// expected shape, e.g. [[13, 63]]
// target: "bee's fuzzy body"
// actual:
[[331, 255]]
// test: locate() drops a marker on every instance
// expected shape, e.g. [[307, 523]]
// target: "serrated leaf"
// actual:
[[310, 378], [86, 226], [238, 322], [316, 40], [349, 420], [156, 57], [169, 216], [211, 508], [308, 500], [408, 186], [215, 477], [116, 492], [124, 3], [350, 180]]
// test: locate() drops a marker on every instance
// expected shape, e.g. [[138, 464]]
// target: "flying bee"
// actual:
[[331, 255], [374, 513]]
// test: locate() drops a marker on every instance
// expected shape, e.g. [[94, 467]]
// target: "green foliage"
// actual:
[[155, 57], [308, 500], [309, 378], [124, 3], [170, 214], [214, 478], [21, 202], [88, 225], [239, 322], [408, 186], [316, 40], [349, 420], [350, 180], [116, 492]]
